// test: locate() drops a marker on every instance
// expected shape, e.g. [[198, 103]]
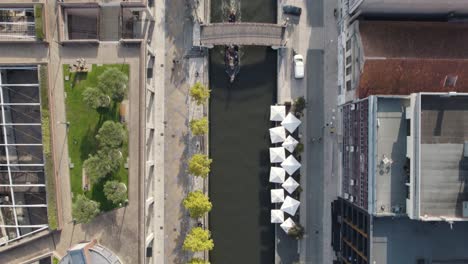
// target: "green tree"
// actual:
[[299, 106], [95, 98], [95, 168], [198, 240], [199, 93], [198, 261], [297, 231], [113, 82], [115, 191], [100, 165], [111, 158], [197, 203], [199, 165], [84, 209], [111, 134], [199, 126]]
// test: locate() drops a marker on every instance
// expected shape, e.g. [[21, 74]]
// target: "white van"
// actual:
[[298, 66]]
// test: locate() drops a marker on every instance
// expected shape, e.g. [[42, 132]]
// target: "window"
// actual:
[[348, 70], [450, 80], [348, 85], [348, 60], [348, 45]]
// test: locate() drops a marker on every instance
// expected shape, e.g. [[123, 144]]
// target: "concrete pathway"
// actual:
[[314, 35]]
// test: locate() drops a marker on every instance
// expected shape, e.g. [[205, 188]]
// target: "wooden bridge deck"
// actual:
[[241, 34]]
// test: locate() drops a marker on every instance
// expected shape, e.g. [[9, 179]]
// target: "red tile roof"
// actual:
[[397, 39], [406, 76], [403, 57]]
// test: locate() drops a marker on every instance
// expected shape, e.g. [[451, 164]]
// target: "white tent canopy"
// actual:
[[277, 174], [277, 216], [288, 224], [277, 134], [290, 122], [290, 143], [290, 165], [290, 205], [277, 154], [277, 195], [290, 185], [277, 112]]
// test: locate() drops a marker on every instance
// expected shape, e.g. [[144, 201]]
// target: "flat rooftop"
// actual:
[[390, 189], [404, 241], [444, 170]]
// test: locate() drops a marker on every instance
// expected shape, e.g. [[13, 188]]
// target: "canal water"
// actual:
[[239, 141]]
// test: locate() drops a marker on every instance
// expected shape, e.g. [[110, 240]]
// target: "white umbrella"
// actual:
[[290, 185], [290, 143], [277, 216], [290, 205], [290, 122], [290, 165], [277, 195], [288, 224], [277, 112], [277, 154], [277, 134], [277, 174]]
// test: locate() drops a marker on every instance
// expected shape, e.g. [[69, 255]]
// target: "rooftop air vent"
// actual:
[[450, 80]]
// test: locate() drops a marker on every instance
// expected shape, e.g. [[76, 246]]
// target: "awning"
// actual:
[[277, 175], [291, 122], [277, 216], [290, 165], [277, 112], [277, 134], [290, 144], [277, 195], [277, 154], [290, 185], [287, 225], [290, 205]]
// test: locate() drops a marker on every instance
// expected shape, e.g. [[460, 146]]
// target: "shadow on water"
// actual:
[[239, 188]]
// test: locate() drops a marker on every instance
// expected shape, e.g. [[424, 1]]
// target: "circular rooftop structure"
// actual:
[[89, 253]]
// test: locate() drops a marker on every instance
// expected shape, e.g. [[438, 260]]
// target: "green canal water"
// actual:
[[239, 142]]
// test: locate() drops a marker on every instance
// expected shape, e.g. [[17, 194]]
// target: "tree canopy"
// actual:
[[84, 209], [104, 162], [95, 98], [198, 240], [200, 93], [95, 168], [198, 261], [199, 165], [199, 126], [113, 82], [115, 191], [111, 134], [197, 203]]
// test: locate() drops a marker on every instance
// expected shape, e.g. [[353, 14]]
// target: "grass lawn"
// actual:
[[84, 125]]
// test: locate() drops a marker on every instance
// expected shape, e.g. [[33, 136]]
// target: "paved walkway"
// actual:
[[179, 143], [314, 35]]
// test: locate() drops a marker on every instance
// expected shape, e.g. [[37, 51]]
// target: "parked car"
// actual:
[[292, 10], [298, 66]]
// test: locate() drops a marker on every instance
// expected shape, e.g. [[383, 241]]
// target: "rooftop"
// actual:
[[404, 241], [390, 177], [409, 39], [444, 170], [400, 57], [23, 205]]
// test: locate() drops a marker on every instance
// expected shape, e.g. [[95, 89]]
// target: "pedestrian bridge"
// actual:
[[258, 34]]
